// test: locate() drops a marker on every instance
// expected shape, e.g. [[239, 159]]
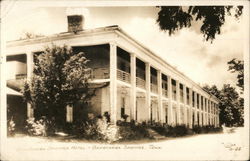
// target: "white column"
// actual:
[[30, 66], [113, 82], [3, 102], [195, 106], [170, 105], [204, 111], [133, 85], [200, 113], [190, 108], [185, 104], [207, 112], [210, 104], [178, 102], [213, 113], [148, 96], [215, 116], [218, 116], [160, 107]]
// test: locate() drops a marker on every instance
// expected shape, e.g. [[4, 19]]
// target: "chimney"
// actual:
[[75, 23]]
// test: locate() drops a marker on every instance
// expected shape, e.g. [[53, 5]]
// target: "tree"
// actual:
[[230, 105], [237, 66], [173, 18], [60, 78]]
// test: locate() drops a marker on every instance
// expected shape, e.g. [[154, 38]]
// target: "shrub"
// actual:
[[197, 129], [167, 130], [180, 130], [132, 131], [41, 127], [11, 127], [100, 129], [206, 129]]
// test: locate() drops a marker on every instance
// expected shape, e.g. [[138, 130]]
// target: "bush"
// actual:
[[197, 129], [11, 127], [180, 130], [206, 129], [167, 130], [41, 127], [132, 130], [99, 129]]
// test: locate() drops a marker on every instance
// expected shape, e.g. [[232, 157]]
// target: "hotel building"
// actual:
[[139, 83]]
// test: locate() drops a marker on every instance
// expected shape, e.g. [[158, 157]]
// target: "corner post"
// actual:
[[30, 67], [133, 86], [113, 81]]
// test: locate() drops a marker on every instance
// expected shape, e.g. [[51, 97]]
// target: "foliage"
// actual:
[[206, 129], [132, 130], [41, 127], [167, 130], [231, 105], [174, 18], [97, 129], [237, 66], [60, 78], [11, 127]]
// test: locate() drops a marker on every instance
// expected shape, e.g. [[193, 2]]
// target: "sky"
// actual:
[[203, 62]]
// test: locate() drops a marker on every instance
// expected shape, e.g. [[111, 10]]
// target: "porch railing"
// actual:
[[153, 88], [123, 76], [140, 83], [165, 93]]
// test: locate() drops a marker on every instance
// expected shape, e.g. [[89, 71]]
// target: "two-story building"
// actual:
[[140, 83]]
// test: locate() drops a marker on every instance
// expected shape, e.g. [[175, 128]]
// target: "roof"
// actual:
[[10, 91], [102, 29]]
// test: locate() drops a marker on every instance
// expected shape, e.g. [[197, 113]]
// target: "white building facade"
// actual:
[[140, 84]]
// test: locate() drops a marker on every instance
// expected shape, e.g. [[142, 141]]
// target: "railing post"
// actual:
[[200, 113], [207, 113], [190, 108], [178, 102], [113, 82], [185, 104], [170, 107], [133, 85], [195, 106], [160, 107], [148, 96], [204, 113]]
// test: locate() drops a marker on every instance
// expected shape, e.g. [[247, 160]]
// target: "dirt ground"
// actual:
[[220, 146]]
